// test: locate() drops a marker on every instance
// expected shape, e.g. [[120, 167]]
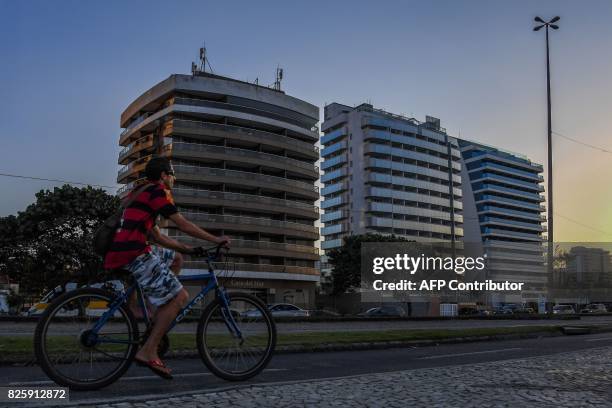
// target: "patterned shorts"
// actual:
[[152, 271]]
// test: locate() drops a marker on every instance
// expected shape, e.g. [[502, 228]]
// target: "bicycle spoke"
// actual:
[[71, 353], [240, 356]]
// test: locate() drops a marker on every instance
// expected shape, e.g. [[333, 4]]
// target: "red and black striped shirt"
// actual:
[[138, 219]]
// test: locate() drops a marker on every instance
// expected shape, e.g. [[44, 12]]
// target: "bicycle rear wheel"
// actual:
[[228, 355], [71, 354]]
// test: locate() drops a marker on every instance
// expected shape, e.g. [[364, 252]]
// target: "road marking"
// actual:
[[135, 377], [600, 339], [468, 354]]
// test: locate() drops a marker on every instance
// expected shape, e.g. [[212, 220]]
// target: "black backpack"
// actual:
[[105, 234]]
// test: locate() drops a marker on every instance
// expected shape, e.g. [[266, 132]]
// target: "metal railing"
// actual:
[[244, 198], [237, 153], [272, 138], [142, 143], [245, 175], [233, 219], [251, 244], [241, 266], [244, 109]]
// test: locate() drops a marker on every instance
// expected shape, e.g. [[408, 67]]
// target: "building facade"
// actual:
[[244, 157], [503, 209], [388, 174]]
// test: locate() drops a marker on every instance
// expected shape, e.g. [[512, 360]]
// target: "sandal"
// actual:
[[157, 366]]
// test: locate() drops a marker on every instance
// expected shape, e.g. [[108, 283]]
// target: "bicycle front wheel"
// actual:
[[74, 355], [239, 349]]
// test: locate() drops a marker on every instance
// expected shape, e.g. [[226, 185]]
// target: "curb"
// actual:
[[330, 347], [317, 319]]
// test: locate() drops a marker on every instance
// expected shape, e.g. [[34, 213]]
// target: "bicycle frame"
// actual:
[[213, 283]]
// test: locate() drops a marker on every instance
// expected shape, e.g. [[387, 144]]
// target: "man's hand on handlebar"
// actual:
[[223, 241]]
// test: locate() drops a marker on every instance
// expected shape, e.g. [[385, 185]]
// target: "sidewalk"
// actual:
[[576, 379]]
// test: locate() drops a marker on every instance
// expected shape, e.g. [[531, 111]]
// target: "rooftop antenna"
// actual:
[[195, 69], [279, 78]]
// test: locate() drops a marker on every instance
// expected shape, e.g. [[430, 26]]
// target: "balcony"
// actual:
[[334, 229], [408, 210], [334, 202], [336, 147], [333, 175], [334, 161], [334, 243], [404, 224], [132, 171], [491, 209], [375, 148], [531, 247], [245, 178], [370, 134], [130, 186], [378, 163], [509, 170], [334, 215], [292, 120], [487, 198], [135, 147], [509, 180], [245, 201], [492, 188], [334, 188], [263, 248], [333, 135], [493, 232], [219, 131], [263, 225], [381, 192], [512, 223], [231, 154], [374, 177]]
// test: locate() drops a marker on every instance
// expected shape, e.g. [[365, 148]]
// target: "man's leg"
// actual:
[[166, 313], [177, 264], [164, 316]]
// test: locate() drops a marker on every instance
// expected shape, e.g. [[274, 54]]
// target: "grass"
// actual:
[[19, 348]]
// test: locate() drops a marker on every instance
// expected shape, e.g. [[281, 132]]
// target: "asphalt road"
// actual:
[[27, 328], [190, 374]]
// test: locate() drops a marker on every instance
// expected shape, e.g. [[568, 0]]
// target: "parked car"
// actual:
[[4, 307], [510, 308], [280, 310], [324, 313], [523, 310], [384, 311], [96, 310], [563, 309], [594, 308], [39, 307]]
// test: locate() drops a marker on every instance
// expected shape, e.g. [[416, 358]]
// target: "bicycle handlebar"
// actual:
[[201, 251]]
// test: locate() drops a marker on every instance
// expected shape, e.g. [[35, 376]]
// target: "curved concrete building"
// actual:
[[244, 157]]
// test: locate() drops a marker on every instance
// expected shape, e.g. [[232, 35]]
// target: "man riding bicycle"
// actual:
[[155, 267]]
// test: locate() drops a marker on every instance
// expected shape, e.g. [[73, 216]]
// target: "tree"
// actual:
[[50, 242], [346, 260]]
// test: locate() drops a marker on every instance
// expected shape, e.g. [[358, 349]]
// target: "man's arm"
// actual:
[[156, 236], [193, 230]]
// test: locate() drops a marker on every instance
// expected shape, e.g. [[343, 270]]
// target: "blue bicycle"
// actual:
[[87, 338]]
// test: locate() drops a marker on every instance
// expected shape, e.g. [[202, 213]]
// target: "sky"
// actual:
[[69, 68]]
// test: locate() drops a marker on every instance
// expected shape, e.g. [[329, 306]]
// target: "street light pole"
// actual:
[[550, 248]]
